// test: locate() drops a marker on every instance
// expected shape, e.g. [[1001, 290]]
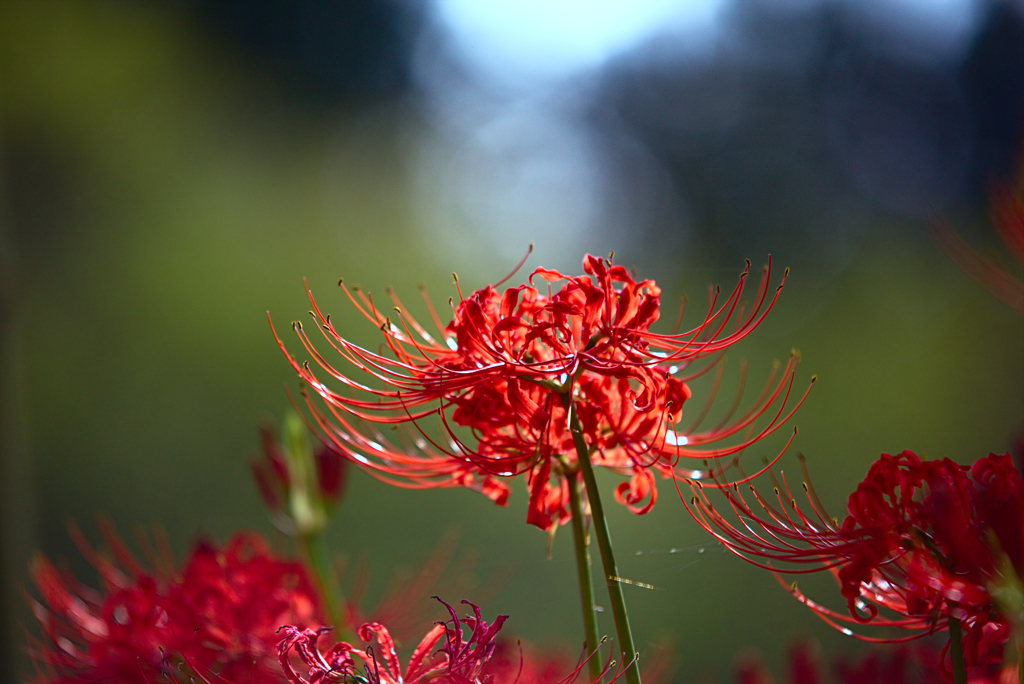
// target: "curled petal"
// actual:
[[633, 493]]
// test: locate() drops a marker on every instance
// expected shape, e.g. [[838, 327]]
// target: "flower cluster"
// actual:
[[520, 371], [546, 379], [217, 617], [937, 544], [219, 613]]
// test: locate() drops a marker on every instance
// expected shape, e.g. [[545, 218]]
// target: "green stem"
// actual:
[[579, 535], [319, 560], [604, 544], [956, 652]]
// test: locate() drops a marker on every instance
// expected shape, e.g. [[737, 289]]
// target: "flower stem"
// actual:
[[319, 561], [579, 535], [604, 544], [956, 652]]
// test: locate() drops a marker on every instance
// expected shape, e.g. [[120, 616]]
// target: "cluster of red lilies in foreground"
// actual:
[[546, 380]]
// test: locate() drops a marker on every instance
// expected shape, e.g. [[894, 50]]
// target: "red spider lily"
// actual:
[[465, 653], [923, 540], [900, 664], [468, 645], [298, 485], [222, 608], [217, 617], [511, 365], [1008, 217]]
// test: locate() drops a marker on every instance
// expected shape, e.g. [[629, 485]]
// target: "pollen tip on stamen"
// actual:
[[341, 281], [776, 490], [814, 379], [311, 313], [328, 319], [421, 286], [806, 488], [296, 325], [455, 276], [785, 274], [389, 290]]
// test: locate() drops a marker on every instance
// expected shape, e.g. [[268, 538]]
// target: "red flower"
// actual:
[[922, 540], [459, 651], [1008, 217], [217, 617], [298, 484], [218, 614], [901, 664], [466, 647], [508, 368]]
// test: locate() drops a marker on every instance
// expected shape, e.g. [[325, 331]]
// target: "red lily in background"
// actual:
[[1008, 218], [217, 616], [222, 609], [936, 545], [902, 664], [510, 365]]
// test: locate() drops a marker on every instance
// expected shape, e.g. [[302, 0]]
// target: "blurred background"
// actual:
[[170, 171]]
